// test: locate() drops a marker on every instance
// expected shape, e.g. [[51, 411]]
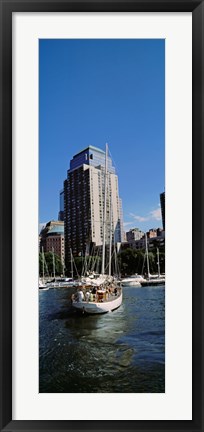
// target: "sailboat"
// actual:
[[42, 284], [152, 279], [60, 282], [106, 295]]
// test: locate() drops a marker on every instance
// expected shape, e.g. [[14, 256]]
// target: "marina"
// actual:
[[121, 351]]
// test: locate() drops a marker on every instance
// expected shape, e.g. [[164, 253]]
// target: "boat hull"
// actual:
[[153, 282], [131, 283], [98, 307]]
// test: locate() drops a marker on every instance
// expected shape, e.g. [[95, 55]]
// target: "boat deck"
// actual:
[[101, 297]]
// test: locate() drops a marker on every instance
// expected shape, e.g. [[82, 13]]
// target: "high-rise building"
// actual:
[[84, 203], [162, 201], [61, 210]]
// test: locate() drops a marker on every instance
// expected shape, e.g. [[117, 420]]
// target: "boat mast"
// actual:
[[43, 261], [62, 262], [158, 262], [104, 214], [53, 262], [71, 264], [147, 256], [115, 256], [110, 243]]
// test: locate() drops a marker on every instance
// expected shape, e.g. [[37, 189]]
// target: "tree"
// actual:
[[83, 266], [48, 261], [133, 261]]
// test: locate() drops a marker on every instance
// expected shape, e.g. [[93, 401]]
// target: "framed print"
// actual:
[[101, 221]]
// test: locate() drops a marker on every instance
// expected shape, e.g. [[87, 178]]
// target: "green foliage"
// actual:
[[81, 265], [133, 261], [48, 264]]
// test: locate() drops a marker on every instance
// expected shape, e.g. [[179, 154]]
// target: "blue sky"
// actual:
[[97, 91]]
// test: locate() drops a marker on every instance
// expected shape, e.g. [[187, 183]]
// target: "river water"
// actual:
[[122, 351]]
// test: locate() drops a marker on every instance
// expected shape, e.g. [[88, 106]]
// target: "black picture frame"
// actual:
[[7, 8]]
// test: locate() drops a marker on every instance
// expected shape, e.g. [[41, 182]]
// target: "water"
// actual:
[[122, 351]]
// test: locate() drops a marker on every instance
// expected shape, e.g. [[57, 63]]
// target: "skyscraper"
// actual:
[[162, 201], [84, 203], [61, 210]]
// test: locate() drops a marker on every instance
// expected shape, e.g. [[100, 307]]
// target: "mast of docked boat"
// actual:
[[72, 271], [147, 256], [53, 262], [158, 264], [104, 213], [110, 241], [43, 262], [63, 267]]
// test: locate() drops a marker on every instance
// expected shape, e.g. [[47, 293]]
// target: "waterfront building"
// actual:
[[158, 241], [152, 233], [84, 203], [52, 238], [160, 232], [155, 238], [162, 201], [134, 234]]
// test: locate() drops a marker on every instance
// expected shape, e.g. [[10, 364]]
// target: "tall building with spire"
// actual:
[[162, 201], [84, 203], [61, 210]]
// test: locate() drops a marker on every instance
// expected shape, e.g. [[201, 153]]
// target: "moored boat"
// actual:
[[43, 286], [41, 283], [153, 280], [134, 280]]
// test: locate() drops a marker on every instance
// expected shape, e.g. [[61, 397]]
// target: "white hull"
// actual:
[[131, 283], [62, 284], [154, 282], [98, 307], [134, 280], [42, 286]]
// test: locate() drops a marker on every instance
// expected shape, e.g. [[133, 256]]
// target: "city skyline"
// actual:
[[98, 91]]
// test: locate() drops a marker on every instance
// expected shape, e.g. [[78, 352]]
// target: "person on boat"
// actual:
[[80, 295], [115, 291], [94, 290], [87, 296]]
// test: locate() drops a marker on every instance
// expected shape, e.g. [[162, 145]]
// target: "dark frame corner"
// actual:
[[6, 9]]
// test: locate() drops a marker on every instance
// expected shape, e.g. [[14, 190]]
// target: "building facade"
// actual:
[[152, 233], [52, 239], [84, 191], [155, 238], [134, 234]]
